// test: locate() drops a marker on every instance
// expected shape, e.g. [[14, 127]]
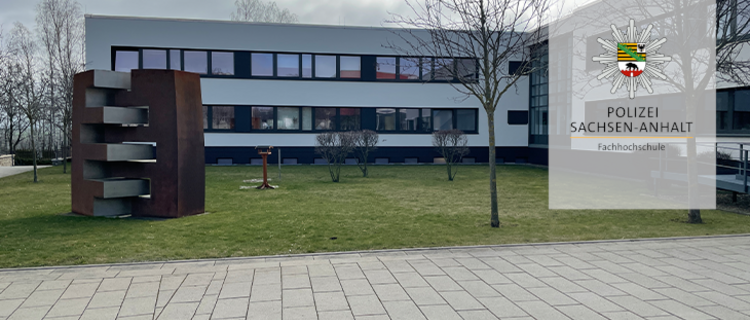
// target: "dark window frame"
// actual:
[[237, 75]]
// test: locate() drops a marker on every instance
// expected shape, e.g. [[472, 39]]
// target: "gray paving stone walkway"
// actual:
[[700, 278], [11, 171]]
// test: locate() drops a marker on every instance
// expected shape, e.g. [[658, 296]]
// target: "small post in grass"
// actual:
[[264, 151]]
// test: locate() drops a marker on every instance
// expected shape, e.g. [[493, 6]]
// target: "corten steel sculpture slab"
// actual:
[[138, 144]]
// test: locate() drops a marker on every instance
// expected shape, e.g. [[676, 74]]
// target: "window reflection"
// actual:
[[444, 69], [325, 66], [126, 60], [306, 118], [287, 65], [288, 118], [426, 123], [196, 61], [350, 67], [442, 119], [222, 63], [262, 64], [466, 119], [408, 68], [427, 69], [175, 61], [307, 66], [385, 68], [262, 118], [325, 118], [386, 119], [350, 119], [466, 69], [222, 118], [205, 117], [154, 59], [408, 119]]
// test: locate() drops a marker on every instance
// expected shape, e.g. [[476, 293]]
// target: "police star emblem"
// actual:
[[632, 59]]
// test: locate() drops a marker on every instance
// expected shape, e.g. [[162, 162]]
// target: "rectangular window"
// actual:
[[262, 118], [442, 119], [222, 118], [222, 63], [154, 59], [427, 69], [325, 118], [350, 67], [325, 66], [466, 69], [205, 117], [350, 119], [287, 65], [408, 68], [196, 61], [426, 123], [126, 60], [175, 60], [408, 119], [466, 119], [385, 119], [444, 69], [262, 64], [385, 68], [306, 119], [288, 118], [307, 66]]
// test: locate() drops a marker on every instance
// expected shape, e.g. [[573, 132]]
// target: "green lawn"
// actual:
[[397, 207]]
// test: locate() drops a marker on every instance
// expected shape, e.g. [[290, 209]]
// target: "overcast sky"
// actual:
[[334, 12]]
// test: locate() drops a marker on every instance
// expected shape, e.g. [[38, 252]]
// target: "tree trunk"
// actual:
[[494, 219], [450, 176], [33, 151]]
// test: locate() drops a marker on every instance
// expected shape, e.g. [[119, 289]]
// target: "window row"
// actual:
[[289, 119], [425, 120], [294, 65]]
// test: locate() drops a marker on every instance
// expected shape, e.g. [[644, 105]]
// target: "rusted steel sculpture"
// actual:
[[138, 144], [264, 151]]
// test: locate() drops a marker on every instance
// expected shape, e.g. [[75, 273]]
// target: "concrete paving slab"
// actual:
[[686, 278]]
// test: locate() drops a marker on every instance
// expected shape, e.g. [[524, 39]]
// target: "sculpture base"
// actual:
[[265, 185]]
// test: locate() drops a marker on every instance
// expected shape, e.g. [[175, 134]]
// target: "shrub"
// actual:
[[334, 147], [365, 141], [451, 144]]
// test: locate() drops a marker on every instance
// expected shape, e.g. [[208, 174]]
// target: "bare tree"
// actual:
[[61, 29], [14, 125], [259, 11], [732, 35], [496, 32], [27, 84], [334, 147], [452, 145], [365, 142]]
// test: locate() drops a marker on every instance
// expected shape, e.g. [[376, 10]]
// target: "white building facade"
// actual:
[[281, 84]]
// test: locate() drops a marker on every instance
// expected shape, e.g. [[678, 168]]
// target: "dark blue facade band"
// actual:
[[307, 155]]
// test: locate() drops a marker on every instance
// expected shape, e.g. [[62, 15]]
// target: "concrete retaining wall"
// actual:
[[6, 160]]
